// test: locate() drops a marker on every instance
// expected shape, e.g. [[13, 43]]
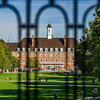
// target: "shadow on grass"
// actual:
[[8, 94]]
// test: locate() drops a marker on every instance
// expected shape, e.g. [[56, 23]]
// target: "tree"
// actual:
[[15, 62], [7, 61], [88, 51], [33, 63]]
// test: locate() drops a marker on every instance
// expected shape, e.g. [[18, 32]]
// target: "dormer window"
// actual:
[[36, 49], [46, 49], [23, 49], [18, 50], [51, 49], [73, 49], [41, 49], [56, 49], [69, 49], [61, 49], [29, 49]]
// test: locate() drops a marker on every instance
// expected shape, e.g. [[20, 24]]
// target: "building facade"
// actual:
[[52, 53]]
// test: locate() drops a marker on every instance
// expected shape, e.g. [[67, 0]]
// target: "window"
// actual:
[[41, 49], [68, 60], [56, 60], [51, 49], [40, 60], [61, 49], [61, 55], [46, 49], [23, 60], [46, 60], [56, 49], [29, 49], [50, 60], [51, 55], [18, 49], [49, 30], [46, 55], [36, 49], [61, 60], [29, 54], [73, 49], [23, 54], [23, 49], [40, 54], [69, 50], [56, 55]]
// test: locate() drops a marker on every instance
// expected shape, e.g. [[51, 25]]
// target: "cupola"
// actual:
[[49, 31]]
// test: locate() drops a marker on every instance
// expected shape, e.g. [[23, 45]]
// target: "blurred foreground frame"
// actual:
[[35, 46]]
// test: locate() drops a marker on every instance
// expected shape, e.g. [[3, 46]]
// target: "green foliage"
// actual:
[[33, 62], [6, 59], [88, 51], [15, 62]]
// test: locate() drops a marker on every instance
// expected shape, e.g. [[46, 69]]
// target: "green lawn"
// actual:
[[63, 85]]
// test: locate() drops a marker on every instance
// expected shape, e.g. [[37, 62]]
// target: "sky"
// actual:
[[8, 22]]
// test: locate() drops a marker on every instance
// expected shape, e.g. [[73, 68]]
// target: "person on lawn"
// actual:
[[55, 96], [94, 93]]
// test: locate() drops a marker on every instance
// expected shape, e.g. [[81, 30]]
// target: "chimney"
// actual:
[[33, 40], [65, 40]]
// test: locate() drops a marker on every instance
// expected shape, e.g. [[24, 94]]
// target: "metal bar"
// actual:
[[75, 20], [51, 2], [28, 18], [31, 26], [77, 26], [4, 2]]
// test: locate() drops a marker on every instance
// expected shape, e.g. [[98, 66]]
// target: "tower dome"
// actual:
[[49, 26]]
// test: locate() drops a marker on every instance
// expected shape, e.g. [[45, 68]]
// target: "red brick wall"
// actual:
[[68, 59]]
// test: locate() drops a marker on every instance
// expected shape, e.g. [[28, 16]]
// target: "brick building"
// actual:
[[52, 53]]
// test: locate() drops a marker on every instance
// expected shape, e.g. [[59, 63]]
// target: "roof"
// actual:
[[49, 43], [12, 46], [42, 43], [49, 26]]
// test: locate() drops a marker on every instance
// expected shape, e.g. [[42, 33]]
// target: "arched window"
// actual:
[[51, 55], [40, 60], [61, 60], [51, 60], [56, 60], [46, 60]]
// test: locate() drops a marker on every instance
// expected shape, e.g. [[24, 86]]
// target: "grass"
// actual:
[[63, 85]]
